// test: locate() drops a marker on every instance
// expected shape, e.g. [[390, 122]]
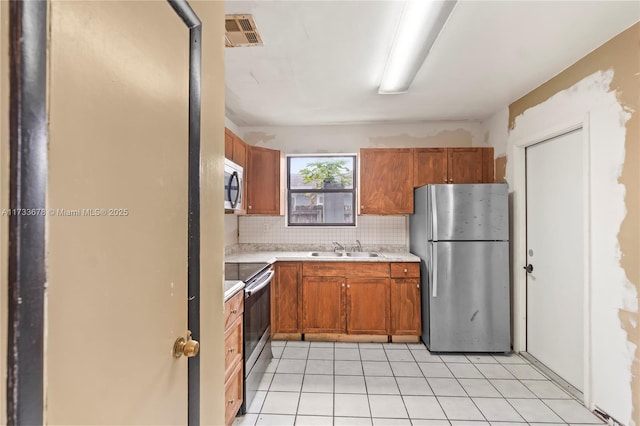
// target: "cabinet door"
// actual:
[[488, 165], [405, 307], [368, 306], [233, 394], [386, 181], [286, 297], [263, 181], [429, 166], [239, 151], [228, 144], [323, 305], [464, 165]]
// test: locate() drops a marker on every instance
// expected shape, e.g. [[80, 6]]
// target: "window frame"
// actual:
[[353, 190]]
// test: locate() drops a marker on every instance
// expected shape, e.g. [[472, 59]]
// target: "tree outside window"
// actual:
[[321, 190]]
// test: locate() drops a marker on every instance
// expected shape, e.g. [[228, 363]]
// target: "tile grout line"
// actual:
[[464, 390], [385, 351]]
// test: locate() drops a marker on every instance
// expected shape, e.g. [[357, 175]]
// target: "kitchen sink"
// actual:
[[325, 254], [362, 254], [342, 254]]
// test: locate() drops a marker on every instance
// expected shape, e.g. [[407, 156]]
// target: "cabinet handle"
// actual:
[[418, 285], [342, 284], [250, 207], [232, 350], [445, 181], [348, 285], [406, 270], [231, 401], [450, 180], [234, 311]]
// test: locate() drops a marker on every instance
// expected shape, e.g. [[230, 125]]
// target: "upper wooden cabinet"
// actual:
[[452, 165], [235, 149], [262, 175], [429, 166], [228, 144], [386, 181]]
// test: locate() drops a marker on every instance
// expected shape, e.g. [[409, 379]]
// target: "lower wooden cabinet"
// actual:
[[368, 306], [405, 299], [345, 297], [233, 363], [286, 298], [323, 305], [233, 393], [405, 307], [353, 298]]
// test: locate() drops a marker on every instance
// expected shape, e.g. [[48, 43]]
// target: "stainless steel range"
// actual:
[[257, 322]]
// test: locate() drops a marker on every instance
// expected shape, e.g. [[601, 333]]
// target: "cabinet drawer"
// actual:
[[404, 270], [233, 308], [346, 269], [233, 393], [232, 346]]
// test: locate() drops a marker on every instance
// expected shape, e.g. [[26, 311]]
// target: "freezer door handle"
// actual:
[[434, 214], [434, 270]]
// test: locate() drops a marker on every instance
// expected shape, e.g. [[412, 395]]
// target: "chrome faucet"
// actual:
[[357, 247], [337, 246]]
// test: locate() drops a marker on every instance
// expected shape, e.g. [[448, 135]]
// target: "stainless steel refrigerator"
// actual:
[[461, 233]]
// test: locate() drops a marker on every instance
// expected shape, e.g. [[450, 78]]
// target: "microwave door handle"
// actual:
[[266, 281], [234, 175]]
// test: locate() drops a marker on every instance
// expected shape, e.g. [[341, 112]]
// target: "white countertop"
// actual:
[[274, 256], [231, 288]]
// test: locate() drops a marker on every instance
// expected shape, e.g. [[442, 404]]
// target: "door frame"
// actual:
[[28, 171], [520, 237]]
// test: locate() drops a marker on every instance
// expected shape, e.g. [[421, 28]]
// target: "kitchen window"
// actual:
[[321, 190]]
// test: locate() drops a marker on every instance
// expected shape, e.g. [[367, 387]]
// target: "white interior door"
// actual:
[[117, 282], [555, 250]]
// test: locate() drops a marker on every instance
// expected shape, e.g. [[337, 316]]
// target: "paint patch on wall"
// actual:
[[501, 169], [444, 139], [351, 138], [611, 291], [259, 138]]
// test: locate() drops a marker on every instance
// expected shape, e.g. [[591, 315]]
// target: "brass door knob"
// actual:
[[187, 347]]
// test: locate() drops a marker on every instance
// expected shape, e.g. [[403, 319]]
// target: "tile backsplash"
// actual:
[[370, 230]]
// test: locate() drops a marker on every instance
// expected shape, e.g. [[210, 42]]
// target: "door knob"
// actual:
[[187, 347], [528, 268]]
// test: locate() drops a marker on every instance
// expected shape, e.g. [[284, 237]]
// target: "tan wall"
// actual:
[[4, 199], [620, 55]]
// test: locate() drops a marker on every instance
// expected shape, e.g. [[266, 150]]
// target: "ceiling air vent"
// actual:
[[241, 31]]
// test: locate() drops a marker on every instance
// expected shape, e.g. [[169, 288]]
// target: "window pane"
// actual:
[[321, 172], [321, 208]]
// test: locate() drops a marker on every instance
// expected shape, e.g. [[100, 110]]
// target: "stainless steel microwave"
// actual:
[[232, 185]]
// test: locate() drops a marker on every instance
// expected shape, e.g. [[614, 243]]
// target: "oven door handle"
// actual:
[[263, 284]]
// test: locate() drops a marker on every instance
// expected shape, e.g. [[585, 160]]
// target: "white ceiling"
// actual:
[[322, 60]]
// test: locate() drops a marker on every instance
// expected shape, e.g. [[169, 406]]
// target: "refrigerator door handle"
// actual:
[[434, 270], [434, 214]]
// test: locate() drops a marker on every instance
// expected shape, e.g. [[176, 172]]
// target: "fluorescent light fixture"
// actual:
[[419, 26]]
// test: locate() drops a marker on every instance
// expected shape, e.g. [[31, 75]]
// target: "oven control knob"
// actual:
[[187, 347]]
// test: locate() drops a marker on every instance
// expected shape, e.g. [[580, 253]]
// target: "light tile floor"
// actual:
[[325, 383]]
